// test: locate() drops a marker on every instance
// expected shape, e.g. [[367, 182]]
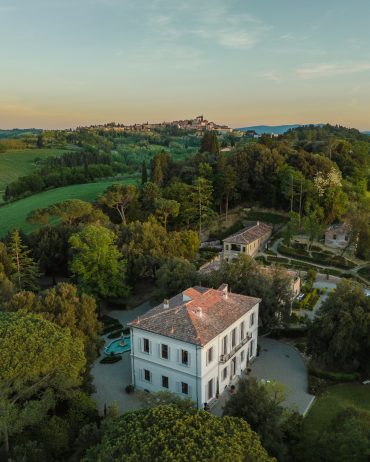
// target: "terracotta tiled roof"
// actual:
[[196, 315], [250, 233]]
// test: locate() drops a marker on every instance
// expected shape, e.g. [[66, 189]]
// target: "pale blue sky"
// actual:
[[70, 62]]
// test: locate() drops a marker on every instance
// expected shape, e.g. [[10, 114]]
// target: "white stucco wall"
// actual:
[[198, 372]]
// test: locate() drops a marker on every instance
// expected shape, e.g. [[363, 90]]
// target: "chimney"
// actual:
[[166, 303], [224, 288]]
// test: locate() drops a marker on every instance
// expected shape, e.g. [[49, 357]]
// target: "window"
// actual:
[[164, 351], [233, 337], [224, 345], [147, 375], [242, 355], [251, 320], [146, 345], [210, 389], [335, 237], [242, 330], [184, 357], [184, 388], [251, 349], [164, 381], [210, 355], [224, 373], [226, 246]]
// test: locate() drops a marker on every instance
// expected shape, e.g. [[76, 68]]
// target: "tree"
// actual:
[[166, 208], [272, 285], [70, 212], [339, 335], [40, 140], [24, 271], [209, 143], [65, 307], [119, 197], [312, 224], [175, 275], [50, 249], [38, 360], [201, 197], [144, 173], [254, 403], [292, 227], [166, 433], [97, 263], [150, 194]]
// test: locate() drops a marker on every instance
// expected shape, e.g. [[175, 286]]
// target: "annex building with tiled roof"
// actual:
[[248, 241], [196, 344]]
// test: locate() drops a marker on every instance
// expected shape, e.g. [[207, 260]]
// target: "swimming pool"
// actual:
[[118, 346]]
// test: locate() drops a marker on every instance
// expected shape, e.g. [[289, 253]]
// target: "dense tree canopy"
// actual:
[[64, 306], [167, 433], [339, 337], [97, 263], [37, 360]]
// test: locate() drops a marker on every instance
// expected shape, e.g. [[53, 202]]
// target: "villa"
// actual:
[[249, 241], [196, 344]]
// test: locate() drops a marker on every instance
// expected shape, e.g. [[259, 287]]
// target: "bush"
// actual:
[[111, 359], [112, 328], [115, 334], [129, 389], [316, 385], [290, 332], [301, 347], [334, 376]]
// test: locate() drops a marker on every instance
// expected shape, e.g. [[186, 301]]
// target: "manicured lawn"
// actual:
[[20, 162], [14, 215], [335, 399]]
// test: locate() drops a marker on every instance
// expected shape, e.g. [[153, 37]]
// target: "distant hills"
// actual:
[[276, 129], [15, 132]]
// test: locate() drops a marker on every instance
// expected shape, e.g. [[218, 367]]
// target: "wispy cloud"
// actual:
[[331, 70]]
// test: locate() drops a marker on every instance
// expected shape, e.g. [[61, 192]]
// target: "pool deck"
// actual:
[[110, 380]]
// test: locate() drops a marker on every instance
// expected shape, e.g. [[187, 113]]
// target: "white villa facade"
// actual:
[[195, 344]]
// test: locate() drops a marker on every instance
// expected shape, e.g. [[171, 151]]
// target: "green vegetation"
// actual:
[[168, 433], [15, 163], [14, 215], [334, 399]]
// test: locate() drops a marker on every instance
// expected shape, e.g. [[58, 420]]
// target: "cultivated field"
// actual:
[[20, 162], [14, 215]]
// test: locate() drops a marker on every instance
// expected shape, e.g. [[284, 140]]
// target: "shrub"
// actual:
[[317, 385], [290, 332], [111, 359], [129, 389], [115, 334], [333, 376]]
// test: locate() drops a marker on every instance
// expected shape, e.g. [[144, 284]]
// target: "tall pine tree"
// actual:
[[144, 173], [24, 270]]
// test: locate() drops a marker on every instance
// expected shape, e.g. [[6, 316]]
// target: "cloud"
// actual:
[[332, 70], [237, 40]]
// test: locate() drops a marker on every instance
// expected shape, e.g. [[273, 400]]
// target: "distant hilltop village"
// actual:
[[199, 124]]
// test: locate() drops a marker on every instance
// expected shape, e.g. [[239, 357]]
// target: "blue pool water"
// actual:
[[116, 346]]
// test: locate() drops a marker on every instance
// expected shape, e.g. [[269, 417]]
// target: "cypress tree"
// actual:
[[144, 173]]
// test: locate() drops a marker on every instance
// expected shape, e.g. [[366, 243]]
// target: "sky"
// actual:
[[65, 63]]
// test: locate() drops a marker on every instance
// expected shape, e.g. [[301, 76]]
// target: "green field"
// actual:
[[14, 215], [21, 162], [335, 399]]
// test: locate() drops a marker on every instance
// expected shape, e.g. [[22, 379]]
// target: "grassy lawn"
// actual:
[[20, 162], [14, 215], [335, 399]]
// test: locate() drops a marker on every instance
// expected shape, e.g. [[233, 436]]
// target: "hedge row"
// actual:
[[334, 376]]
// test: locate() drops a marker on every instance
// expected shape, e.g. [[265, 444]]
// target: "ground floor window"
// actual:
[[147, 375], [210, 389], [164, 381], [242, 356], [224, 373], [184, 388], [251, 349]]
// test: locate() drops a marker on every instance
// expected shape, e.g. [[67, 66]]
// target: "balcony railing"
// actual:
[[224, 358]]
